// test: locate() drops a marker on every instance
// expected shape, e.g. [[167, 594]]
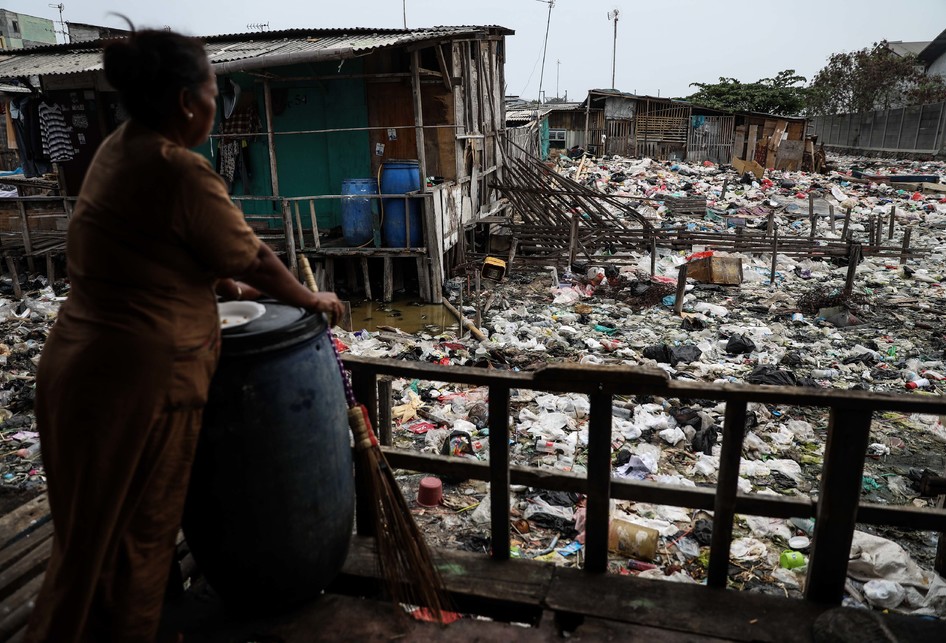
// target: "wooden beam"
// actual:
[[445, 73], [840, 492], [681, 289], [14, 276], [499, 471], [906, 244], [388, 292], [599, 483], [727, 485], [366, 276], [270, 137]]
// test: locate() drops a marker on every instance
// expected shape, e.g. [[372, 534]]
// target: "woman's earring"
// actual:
[[190, 114]]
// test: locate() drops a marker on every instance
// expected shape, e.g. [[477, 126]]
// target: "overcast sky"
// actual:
[[662, 45]]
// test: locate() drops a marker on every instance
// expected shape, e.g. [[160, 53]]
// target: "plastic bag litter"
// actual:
[[748, 549], [788, 468], [705, 465], [885, 594], [633, 469], [873, 557], [762, 527], [740, 344], [673, 436]]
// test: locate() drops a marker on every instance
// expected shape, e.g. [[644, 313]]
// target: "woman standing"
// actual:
[[125, 372]]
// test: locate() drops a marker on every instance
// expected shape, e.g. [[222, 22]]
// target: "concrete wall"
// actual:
[[920, 129]]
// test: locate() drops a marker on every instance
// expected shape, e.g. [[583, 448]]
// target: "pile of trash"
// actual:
[[798, 329], [801, 330], [24, 326]]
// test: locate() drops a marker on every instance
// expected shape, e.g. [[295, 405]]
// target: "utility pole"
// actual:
[[551, 4], [613, 15], [62, 25], [558, 71], [404, 7]]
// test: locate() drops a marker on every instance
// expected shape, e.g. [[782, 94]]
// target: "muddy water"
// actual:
[[405, 314]]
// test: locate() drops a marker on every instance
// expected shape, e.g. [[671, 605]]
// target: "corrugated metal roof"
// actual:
[[525, 114], [71, 59], [50, 63]]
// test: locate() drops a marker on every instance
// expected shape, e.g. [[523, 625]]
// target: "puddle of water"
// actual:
[[406, 314]]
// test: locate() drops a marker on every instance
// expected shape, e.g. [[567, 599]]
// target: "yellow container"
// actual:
[[493, 268]]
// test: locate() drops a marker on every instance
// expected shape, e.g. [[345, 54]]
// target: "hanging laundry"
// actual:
[[56, 135], [25, 117], [234, 145]]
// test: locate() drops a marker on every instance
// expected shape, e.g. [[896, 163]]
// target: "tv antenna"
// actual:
[[62, 25], [551, 4], [259, 26], [613, 15]]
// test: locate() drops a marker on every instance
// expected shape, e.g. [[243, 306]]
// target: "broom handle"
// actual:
[[346, 381]]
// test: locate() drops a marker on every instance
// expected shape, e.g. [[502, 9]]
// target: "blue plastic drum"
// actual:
[[357, 214], [401, 177], [270, 506]]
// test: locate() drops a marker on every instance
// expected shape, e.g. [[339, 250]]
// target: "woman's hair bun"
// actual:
[[123, 63]]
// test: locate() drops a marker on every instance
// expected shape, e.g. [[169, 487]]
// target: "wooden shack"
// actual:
[[315, 107]]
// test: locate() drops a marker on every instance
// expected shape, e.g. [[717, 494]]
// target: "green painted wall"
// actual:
[[309, 164], [544, 138]]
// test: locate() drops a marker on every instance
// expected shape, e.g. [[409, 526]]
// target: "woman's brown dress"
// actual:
[[123, 379]]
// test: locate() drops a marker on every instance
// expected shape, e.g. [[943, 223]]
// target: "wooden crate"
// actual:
[[686, 204], [716, 270]]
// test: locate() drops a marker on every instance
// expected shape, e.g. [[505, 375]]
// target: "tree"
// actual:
[[874, 78], [781, 95]]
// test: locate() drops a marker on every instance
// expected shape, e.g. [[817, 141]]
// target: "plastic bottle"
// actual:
[[918, 383]]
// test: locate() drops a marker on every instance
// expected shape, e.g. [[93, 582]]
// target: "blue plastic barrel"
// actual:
[[357, 216], [401, 177], [270, 506]]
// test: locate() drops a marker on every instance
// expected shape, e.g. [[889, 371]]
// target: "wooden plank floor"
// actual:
[[518, 600]]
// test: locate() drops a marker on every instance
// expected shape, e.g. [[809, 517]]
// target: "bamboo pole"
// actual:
[[464, 322]]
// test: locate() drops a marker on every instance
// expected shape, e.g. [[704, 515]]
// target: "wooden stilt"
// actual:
[[11, 268], [366, 276], [811, 216], [653, 256], [384, 411], [388, 280], [853, 258], [774, 258], [847, 223], [423, 279], [330, 274], [350, 278], [905, 250], [681, 289], [893, 220]]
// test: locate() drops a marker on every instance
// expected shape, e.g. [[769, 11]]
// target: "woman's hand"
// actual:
[[328, 303]]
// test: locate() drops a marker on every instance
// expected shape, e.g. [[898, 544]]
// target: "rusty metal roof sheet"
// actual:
[[70, 59]]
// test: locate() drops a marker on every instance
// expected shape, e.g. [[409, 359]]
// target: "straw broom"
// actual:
[[407, 568]]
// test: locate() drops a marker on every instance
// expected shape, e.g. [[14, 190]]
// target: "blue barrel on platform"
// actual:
[[270, 506], [401, 177], [357, 214]]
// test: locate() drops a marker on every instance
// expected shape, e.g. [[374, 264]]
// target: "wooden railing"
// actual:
[[836, 510]]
